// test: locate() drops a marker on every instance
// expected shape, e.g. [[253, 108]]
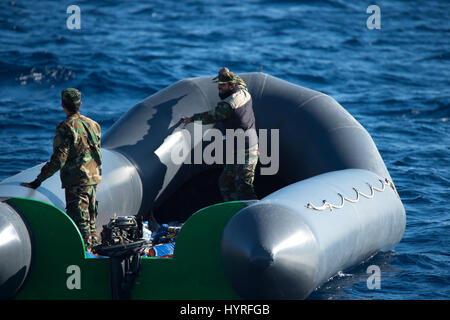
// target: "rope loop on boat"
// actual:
[[330, 206]]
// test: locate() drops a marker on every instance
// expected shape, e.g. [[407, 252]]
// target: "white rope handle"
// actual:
[[327, 205]]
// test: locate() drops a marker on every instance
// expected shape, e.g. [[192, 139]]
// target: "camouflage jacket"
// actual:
[[222, 111], [76, 151], [235, 112]]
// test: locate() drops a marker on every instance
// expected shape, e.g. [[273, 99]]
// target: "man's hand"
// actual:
[[186, 120], [33, 185]]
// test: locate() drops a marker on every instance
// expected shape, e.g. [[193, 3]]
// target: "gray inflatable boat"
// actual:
[[327, 204]]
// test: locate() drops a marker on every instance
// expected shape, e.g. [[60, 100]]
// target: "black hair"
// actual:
[[71, 107]]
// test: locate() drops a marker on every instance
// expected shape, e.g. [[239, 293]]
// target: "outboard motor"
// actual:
[[121, 241]]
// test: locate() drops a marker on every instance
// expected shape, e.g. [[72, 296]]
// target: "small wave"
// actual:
[[352, 42], [441, 111], [42, 57], [431, 27], [311, 78], [9, 70], [424, 261], [401, 163], [438, 56], [22, 126], [147, 11], [108, 81], [51, 75], [327, 3]]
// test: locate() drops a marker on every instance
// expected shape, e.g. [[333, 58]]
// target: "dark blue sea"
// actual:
[[394, 80]]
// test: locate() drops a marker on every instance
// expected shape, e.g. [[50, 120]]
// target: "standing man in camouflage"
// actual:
[[235, 111], [76, 152]]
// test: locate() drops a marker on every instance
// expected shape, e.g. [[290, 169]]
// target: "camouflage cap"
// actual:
[[71, 96], [226, 77]]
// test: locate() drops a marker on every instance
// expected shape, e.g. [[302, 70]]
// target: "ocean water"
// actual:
[[395, 81]]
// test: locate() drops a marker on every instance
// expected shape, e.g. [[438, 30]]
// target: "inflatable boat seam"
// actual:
[[310, 99], [345, 127], [263, 86]]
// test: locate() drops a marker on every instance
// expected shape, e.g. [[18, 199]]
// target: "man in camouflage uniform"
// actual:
[[235, 111], [76, 152]]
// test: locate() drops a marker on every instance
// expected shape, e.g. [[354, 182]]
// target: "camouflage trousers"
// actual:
[[236, 180], [81, 207]]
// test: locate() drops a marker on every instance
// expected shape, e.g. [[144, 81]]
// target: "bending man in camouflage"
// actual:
[[235, 111], [76, 151]]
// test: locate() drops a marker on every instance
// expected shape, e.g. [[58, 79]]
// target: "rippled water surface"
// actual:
[[395, 81]]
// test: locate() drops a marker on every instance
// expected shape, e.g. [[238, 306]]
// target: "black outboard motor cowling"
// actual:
[[122, 230]]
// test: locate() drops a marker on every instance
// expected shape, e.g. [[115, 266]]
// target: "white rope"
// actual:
[[327, 205]]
